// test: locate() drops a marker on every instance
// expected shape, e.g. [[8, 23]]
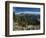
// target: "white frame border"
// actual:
[[11, 32]]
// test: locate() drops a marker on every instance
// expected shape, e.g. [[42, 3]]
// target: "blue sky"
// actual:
[[25, 10]]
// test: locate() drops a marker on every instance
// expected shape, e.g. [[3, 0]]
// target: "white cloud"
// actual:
[[28, 12]]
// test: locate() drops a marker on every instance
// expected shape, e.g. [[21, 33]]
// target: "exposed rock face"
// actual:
[[26, 22]]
